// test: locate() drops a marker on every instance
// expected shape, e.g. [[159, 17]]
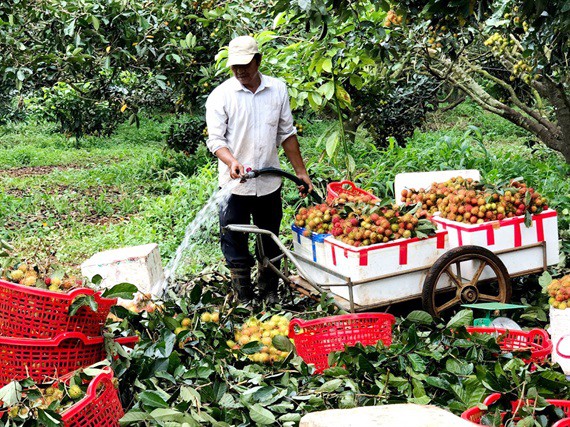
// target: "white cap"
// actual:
[[241, 50]]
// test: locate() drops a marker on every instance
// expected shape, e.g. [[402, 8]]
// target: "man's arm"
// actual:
[[293, 153], [236, 168]]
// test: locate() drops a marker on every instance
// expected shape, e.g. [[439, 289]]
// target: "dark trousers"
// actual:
[[266, 212]]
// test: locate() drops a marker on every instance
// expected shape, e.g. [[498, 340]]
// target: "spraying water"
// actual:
[[217, 199]]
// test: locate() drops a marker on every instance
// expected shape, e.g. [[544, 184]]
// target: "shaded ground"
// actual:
[[60, 204], [35, 170]]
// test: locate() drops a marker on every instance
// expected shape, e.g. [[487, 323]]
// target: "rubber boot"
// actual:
[[241, 282], [267, 283]]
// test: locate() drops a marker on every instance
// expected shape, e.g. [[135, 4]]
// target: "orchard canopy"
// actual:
[[378, 64]]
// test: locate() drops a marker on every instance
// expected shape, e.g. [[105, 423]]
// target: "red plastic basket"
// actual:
[[475, 414], [45, 359], [29, 312], [535, 340], [100, 407], [348, 187], [315, 339]]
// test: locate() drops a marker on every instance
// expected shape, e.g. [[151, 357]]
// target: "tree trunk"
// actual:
[[555, 135]]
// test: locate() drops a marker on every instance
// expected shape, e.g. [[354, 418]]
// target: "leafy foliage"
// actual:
[[193, 377], [403, 110], [187, 135], [77, 112]]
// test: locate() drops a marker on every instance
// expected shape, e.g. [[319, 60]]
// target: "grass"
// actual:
[[128, 190]]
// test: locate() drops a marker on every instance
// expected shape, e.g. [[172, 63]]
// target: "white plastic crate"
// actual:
[[369, 262], [312, 248], [510, 233], [139, 265]]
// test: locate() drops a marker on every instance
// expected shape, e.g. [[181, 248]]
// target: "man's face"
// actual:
[[246, 74]]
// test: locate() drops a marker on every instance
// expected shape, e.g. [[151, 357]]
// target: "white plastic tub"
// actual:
[[510, 233], [417, 180]]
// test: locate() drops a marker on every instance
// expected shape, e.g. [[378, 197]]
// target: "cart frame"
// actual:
[[306, 282]]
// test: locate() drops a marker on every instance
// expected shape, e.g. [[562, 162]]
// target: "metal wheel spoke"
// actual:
[[478, 273], [453, 277], [448, 304], [490, 297]]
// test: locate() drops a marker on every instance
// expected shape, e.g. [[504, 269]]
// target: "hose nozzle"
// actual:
[[249, 174]]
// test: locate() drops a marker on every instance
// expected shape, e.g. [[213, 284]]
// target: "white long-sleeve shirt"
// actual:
[[252, 126]]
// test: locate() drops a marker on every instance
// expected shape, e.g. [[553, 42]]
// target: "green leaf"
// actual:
[[97, 279], [83, 301], [421, 317], [292, 417], [331, 144], [252, 347], [282, 343], [458, 367], [49, 418], [315, 100], [545, 279], [330, 386], [418, 364], [11, 393], [152, 399], [166, 414], [196, 294], [134, 416], [327, 65], [95, 22], [327, 90], [260, 415], [462, 318], [122, 290], [188, 394]]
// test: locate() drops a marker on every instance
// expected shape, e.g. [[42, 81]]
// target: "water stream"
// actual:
[[209, 212]]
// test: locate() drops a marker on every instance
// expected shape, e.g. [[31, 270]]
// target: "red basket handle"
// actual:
[[51, 342], [100, 298], [127, 341], [541, 332], [492, 398], [91, 393], [346, 182], [558, 353], [47, 293], [294, 322]]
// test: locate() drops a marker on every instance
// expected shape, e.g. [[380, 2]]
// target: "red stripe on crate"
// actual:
[[403, 253], [490, 235], [333, 255], [518, 235], [539, 229], [363, 261], [440, 243]]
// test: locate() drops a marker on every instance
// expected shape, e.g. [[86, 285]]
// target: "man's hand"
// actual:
[[308, 187], [236, 169]]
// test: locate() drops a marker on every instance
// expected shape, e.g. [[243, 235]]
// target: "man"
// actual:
[[248, 118]]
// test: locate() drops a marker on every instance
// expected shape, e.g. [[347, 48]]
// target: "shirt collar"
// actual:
[[237, 86]]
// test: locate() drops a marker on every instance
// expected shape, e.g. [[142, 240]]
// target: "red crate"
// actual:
[[315, 339], [28, 312], [535, 340], [100, 407], [475, 414], [45, 359], [348, 187]]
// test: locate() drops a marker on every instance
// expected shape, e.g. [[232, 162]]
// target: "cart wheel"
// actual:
[[465, 275]]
